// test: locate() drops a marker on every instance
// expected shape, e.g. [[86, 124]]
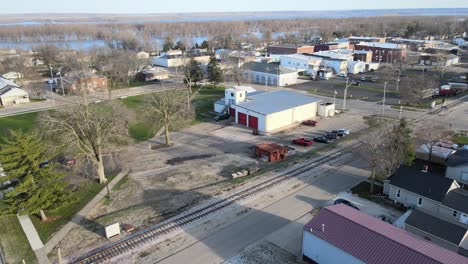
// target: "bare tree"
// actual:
[[418, 88], [192, 74], [90, 129], [430, 135], [235, 71], [167, 106]]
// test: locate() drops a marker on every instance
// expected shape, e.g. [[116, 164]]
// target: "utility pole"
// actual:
[[61, 81], [51, 81], [266, 76], [334, 97], [383, 101], [398, 80], [401, 111], [345, 93]]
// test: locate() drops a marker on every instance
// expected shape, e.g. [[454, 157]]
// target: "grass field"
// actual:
[[13, 241], [461, 139], [203, 101], [24, 122], [84, 193]]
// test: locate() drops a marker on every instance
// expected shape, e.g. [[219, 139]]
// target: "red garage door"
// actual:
[[253, 122], [232, 111], [242, 118]]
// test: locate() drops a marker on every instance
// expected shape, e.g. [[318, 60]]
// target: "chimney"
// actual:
[[323, 227], [425, 168]]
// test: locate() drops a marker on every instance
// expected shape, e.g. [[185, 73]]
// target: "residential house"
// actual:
[[267, 111], [169, 61], [440, 200], [11, 94], [341, 234], [83, 82], [269, 74], [13, 76], [282, 49], [383, 52], [142, 55]]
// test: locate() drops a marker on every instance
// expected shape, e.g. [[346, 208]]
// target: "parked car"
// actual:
[[302, 142], [67, 161], [356, 83], [331, 136], [344, 75], [310, 123], [363, 79], [345, 202], [373, 79], [321, 140], [344, 131]]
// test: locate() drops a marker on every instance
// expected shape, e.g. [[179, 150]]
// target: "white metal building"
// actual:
[[269, 74], [11, 94], [269, 111], [299, 62], [356, 67]]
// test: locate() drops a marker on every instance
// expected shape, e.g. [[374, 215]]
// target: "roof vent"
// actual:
[[323, 227]]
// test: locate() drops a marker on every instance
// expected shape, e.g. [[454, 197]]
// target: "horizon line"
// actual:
[[231, 12]]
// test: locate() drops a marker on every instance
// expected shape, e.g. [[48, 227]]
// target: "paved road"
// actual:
[[233, 238], [55, 100]]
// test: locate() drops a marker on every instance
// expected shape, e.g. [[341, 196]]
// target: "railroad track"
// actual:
[[162, 229]]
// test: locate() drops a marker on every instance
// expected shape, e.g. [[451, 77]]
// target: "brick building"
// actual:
[[83, 82], [383, 52], [290, 49]]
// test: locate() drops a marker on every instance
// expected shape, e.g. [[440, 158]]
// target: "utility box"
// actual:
[[271, 152]]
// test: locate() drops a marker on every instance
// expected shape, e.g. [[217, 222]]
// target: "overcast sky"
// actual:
[[173, 6]]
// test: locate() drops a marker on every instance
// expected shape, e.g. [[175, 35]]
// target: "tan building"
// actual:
[[83, 82], [11, 94]]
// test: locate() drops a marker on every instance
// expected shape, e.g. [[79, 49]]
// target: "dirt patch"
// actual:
[[180, 160], [263, 252]]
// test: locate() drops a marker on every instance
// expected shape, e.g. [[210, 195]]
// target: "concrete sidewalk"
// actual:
[[33, 238], [59, 235]]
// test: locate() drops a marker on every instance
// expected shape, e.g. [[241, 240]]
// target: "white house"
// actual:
[[177, 60], [142, 55], [11, 94], [268, 111], [269, 74], [12, 75]]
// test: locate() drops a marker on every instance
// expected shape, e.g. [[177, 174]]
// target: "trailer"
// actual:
[[451, 89]]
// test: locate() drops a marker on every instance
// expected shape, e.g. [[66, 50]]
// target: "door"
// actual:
[[232, 111], [242, 118], [253, 122]]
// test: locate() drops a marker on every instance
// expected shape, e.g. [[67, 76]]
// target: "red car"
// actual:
[[310, 123], [302, 142]]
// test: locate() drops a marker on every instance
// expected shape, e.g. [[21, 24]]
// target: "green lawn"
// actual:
[[24, 122], [203, 101], [459, 139], [84, 193], [133, 102], [13, 241]]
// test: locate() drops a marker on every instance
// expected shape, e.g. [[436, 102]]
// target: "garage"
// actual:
[[242, 118], [232, 111], [253, 122]]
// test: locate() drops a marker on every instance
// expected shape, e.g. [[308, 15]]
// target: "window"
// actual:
[[232, 94], [398, 193], [455, 213], [420, 201], [240, 95]]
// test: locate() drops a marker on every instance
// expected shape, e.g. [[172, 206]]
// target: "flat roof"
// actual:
[[382, 45], [270, 67], [372, 240], [276, 101]]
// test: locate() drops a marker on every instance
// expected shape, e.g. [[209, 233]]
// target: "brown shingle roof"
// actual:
[[374, 241]]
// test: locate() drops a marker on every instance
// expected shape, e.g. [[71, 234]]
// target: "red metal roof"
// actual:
[[374, 241]]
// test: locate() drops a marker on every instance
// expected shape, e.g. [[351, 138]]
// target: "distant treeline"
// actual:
[[302, 29]]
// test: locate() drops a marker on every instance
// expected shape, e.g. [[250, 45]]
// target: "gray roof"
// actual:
[[457, 199], [458, 158], [289, 46], [7, 83], [437, 227], [264, 67], [277, 101], [431, 184]]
